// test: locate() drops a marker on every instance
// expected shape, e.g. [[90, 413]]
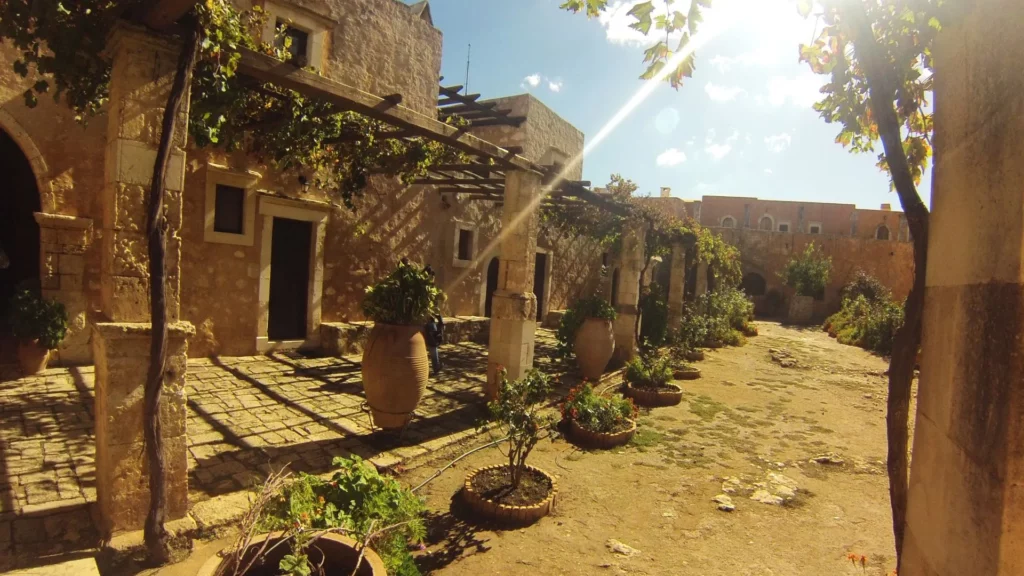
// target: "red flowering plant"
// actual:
[[598, 413]]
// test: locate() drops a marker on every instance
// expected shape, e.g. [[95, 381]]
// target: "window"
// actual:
[[299, 48], [227, 215], [306, 28], [814, 228], [766, 223], [882, 232], [230, 213], [728, 222], [465, 249], [604, 259], [783, 226]]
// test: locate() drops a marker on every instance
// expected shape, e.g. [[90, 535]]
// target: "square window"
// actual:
[[815, 229], [604, 259], [465, 248], [299, 48], [783, 227], [228, 215]]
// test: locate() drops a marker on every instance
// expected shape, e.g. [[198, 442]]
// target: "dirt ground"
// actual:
[[750, 430]]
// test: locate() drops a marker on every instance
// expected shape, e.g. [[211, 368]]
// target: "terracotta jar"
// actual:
[[336, 553], [594, 346], [32, 358], [395, 373]]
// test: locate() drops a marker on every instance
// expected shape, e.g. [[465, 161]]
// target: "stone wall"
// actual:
[[766, 253]]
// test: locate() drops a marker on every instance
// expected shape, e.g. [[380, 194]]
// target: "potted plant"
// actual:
[[515, 492], [395, 367], [597, 421], [647, 381], [39, 325], [807, 274], [586, 330], [682, 369], [305, 525]]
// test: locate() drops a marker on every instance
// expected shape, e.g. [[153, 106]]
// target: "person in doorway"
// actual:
[[434, 335]]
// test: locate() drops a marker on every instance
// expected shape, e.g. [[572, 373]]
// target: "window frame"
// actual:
[[315, 25], [461, 227], [246, 180], [770, 219], [888, 231], [812, 225], [721, 223], [789, 227]]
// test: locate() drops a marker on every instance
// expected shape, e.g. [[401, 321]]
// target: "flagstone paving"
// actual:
[[247, 415]]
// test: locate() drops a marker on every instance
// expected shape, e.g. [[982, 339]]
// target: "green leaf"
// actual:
[[295, 565], [678, 20], [804, 7], [642, 13], [652, 70], [694, 18]]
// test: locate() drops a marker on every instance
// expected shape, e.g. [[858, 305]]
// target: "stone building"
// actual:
[[258, 260]]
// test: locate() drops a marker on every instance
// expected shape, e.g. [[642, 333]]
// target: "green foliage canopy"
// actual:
[[808, 273], [36, 318], [407, 297]]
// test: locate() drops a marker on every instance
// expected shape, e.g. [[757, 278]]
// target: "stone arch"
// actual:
[[754, 284], [728, 222], [14, 129], [766, 223], [882, 232]]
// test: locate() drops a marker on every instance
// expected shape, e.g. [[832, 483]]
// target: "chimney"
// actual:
[[886, 206], [666, 192]]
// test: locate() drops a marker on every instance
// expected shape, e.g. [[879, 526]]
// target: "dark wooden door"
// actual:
[[539, 278], [289, 279], [492, 285]]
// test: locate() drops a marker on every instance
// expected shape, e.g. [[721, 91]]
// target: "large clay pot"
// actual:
[[395, 372], [338, 553], [32, 357], [594, 346]]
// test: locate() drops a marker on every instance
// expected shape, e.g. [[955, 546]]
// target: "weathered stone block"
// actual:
[[71, 264]]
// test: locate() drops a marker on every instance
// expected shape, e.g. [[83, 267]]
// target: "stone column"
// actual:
[[514, 305], [627, 300], [966, 503], [676, 286], [702, 279], [141, 77], [63, 242]]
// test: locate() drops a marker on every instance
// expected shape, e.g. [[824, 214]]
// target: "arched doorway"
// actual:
[[753, 284], [19, 232], [492, 285]]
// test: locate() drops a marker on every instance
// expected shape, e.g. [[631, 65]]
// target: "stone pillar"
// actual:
[[514, 305], [627, 300], [966, 503], [122, 470], [702, 279], [141, 77], [676, 286], [63, 242]]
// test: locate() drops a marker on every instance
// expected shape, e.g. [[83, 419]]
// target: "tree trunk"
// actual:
[[156, 229], [907, 341]]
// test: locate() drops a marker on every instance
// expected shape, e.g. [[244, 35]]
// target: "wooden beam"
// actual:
[[164, 13], [454, 89], [460, 107], [462, 181], [515, 121], [462, 100], [269, 69], [475, 168]]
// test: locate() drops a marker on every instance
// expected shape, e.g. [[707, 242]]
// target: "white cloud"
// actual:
[[555, 85], [768, 171], [531, 81], [802, 91], [720, 93], [671, 157], [760, 58], [717, 150], [690, 142], [778, 142], [535, 80]]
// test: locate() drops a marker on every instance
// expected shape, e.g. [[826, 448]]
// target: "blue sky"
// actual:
[[742, 126]]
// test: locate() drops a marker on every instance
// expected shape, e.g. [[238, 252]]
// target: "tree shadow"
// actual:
[[456, 534]]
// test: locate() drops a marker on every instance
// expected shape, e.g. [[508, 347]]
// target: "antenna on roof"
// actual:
[[469, 52]]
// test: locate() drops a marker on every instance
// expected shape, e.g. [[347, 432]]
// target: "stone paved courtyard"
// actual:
[[246, 415]]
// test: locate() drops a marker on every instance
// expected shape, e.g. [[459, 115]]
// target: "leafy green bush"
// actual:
[[866, 285], [357, 499], [35, 318], [716, 319], [596, 413], [654, 314], [573, 318], [406, 297], [868, 324], [650, 370], [808, 273], [517, 411]]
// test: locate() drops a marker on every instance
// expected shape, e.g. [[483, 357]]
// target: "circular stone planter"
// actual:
[[491, 510], [338, 555], [694, 355], [686, 373], [604, 440], [670, 395]]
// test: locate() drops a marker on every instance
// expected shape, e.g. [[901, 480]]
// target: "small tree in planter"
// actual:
[[808, 275], [515, 492], [648, 381], [39, 325], [395, 366], [586, 330], [298, 526], [596, 420]]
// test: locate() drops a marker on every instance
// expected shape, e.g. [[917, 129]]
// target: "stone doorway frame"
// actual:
[[270, 207]]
